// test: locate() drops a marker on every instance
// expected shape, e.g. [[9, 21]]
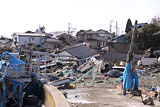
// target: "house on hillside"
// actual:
[[96, 39], [66, 38], [21, 39], [80, 52], [140, 26], [51, 44], [120, 45]]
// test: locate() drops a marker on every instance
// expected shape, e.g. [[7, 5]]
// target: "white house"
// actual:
[[103, 34], [24, 38]]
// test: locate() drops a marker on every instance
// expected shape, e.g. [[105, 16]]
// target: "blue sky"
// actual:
[[23, 15]]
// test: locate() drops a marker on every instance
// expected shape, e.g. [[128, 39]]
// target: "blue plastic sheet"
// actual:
[[16, 64], [130, 79], [14, 61], [14, 90]]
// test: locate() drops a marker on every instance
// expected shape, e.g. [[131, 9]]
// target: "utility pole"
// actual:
[[117, 28], [131, 49], [69, 31], [111, 26]]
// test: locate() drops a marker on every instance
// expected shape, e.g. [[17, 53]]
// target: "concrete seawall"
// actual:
[[53, 97]]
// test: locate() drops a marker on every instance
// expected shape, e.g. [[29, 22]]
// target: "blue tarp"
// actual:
[[13, 61], [130, 79]]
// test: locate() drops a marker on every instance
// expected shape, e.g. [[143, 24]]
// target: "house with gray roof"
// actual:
[[80, 52], [51, 44]]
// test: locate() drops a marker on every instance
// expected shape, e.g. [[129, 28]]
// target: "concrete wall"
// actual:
[[54, 97]]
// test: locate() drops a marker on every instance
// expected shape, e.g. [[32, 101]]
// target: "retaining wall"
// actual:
[[54, 97]]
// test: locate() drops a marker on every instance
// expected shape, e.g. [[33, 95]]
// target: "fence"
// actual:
[[19, 70]]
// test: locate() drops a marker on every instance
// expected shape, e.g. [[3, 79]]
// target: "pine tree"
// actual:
[[128, 26]]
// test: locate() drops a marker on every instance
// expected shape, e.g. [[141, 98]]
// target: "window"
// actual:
[[101, 35], [89, 36]]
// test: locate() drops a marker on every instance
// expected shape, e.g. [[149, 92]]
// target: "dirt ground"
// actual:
[[102, 95]]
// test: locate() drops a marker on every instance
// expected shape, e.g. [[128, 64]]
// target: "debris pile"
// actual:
[[67, 72]]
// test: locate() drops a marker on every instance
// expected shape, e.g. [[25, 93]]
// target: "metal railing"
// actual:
[[19, 70]]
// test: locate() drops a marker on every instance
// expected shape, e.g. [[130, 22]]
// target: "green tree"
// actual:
[[148, 36], [128, 26]]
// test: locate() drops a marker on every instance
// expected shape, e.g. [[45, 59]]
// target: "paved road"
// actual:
[[102, 95]]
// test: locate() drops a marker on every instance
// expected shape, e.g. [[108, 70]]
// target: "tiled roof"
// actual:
[[81, 51]]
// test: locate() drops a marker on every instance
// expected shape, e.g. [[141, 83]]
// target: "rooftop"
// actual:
[[53, 40], [92, 31], [30, 34], [81, 51]]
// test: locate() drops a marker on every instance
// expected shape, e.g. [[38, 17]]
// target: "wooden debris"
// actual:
[[146, 99]]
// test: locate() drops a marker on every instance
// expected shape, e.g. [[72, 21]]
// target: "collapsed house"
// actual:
[[80, 52]]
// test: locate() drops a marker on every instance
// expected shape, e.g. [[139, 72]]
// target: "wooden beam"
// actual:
[[131, 49]]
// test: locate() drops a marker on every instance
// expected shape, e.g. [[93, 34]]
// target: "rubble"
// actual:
[[66, 73], [146, 99]]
